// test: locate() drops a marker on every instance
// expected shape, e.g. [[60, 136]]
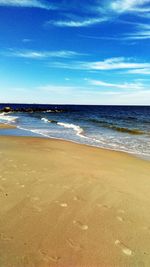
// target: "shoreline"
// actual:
[[67, 204], [131, 146], [6, 126], [138, 156]]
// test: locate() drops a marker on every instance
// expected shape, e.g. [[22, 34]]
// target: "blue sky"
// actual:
[[75, 52]]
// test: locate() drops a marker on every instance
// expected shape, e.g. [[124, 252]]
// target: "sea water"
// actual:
[[121, 128]]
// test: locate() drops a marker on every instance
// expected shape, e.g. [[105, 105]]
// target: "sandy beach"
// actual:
[[6, 126], [69, 205]]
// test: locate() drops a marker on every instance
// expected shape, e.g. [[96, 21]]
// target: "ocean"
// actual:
[[120, 128]]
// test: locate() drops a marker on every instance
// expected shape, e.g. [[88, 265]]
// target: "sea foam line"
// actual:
[[103, 145], [79, 131], [7, 118], [45, 120]]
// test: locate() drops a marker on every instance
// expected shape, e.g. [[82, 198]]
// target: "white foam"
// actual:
[[44, 119], [36, 131], [48, 111], [7, 118], [79, 131]]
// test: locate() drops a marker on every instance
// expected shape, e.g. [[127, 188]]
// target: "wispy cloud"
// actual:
[[119, 63], [140, 71], [77, 23], [98, 12], [137, 86], [120, 6], [41, 54], [27, 3], [115, 63], [142, 31]]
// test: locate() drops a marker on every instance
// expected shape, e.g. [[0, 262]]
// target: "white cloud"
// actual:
[[107, 64], [121, 6], [27, 3], [137, 86], [140, 71], [77, 23], [142, 32], [41, 54], [138, 36], [115, 63], [143, 26], [100, 11]]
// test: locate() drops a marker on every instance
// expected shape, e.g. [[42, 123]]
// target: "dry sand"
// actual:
[[69, 205]]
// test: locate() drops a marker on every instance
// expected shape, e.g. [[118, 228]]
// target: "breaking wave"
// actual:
[[6, 118], [79, 131]]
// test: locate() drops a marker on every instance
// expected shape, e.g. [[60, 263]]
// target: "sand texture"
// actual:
[[70, 205], [6, 126]]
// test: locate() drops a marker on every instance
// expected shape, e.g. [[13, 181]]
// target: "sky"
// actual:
[[75, 52]]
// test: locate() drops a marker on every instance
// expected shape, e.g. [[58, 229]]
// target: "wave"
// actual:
[[36, 131], [7, 118], [112, 126], [46, 120], [127, 130], [79, 131], [97, 121], [49, 111]]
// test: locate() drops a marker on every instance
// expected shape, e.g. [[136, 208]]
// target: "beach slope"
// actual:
[[69, 205], [6, 126]]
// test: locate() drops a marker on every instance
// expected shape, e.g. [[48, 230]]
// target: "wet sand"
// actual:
[[6, 126], [69, 205]]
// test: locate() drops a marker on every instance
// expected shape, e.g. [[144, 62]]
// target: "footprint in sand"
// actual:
[[14, 166], [64, 205], [74, 245], [35, 198], [46, 257], [77, 198], [54, 258], [82, 226], [3, 237], [119, 218], [121, 211], [124, 248], [37, 208], [24, 164], [103, 206], [146, 228], [10, 160]]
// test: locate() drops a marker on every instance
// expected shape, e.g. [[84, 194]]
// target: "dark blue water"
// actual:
[[123, 128]]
